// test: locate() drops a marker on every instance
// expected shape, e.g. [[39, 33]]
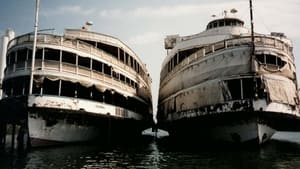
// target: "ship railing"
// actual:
[[260, 41], [77, 45], [49, 65]]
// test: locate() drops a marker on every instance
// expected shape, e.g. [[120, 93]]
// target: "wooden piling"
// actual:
[[13, 137], [2, 135]]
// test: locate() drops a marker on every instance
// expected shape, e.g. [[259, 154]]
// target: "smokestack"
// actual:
[[9, 35]]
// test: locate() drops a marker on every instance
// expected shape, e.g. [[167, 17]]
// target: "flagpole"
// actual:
[[34, 45], [252, 28]]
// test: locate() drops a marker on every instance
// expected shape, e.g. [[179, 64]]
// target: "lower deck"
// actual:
[[40, 123]]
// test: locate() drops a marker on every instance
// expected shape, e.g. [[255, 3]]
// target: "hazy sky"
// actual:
[[143, 24]]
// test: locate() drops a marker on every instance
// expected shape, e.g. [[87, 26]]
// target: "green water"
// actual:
[[282, 152]]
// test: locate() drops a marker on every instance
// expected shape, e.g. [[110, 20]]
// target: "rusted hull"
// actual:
[[53, 127], [230, 127]]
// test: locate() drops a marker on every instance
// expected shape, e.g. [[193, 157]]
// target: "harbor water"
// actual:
[[282, 152]]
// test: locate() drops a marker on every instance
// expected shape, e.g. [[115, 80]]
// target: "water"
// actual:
[[282, 152]]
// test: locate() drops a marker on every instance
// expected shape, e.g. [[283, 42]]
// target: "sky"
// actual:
[[143, 24]]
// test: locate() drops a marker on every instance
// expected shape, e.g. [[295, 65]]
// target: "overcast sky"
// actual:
[[143, 24]]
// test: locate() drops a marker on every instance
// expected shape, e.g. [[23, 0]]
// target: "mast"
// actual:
[[252, 29], [34, 45]]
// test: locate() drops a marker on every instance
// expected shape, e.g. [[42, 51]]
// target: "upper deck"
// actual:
[[218, 30]]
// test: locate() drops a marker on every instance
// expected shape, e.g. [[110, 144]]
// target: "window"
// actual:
[[97, 66], [52, 54], [227, 22], [97, 95], [234, 87], [127, 80], [221, 23], [68, 57], [36, 88], [29, 56], [119, 100], [39, 54], [108, 97], [270, 60], [50, 87], [84, 62], [121, 55], [83, 92], [11, 58], [131, 62], [122, 78], [18, 85], [7, 85], [108, 48], [107, 69], [21, 55], [90, 42], [215, 24], [248, 88], [68, 89], [126, 58], [175, 60], [116, 75]]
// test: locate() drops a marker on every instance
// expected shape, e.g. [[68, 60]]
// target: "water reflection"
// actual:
[[277, 154]]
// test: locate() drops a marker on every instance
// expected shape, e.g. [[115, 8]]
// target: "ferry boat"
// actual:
[[228, 84], [85, 86]]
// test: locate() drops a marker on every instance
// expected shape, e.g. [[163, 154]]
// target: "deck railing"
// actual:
[[260, 41], [50, 39], [54, 66]]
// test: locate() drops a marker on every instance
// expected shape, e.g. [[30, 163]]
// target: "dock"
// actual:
[[13, 124]]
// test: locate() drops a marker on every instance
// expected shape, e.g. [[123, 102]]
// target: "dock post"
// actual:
[[22, 137], [2, 136], [109, 131], [13, 137]]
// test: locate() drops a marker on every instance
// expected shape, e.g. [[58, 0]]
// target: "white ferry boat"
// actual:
[[86, 86], [225, 85]]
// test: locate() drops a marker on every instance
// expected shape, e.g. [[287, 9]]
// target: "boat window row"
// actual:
[[25, 55], [270, 60], [118, 54], [20, 86], [224, 22]]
